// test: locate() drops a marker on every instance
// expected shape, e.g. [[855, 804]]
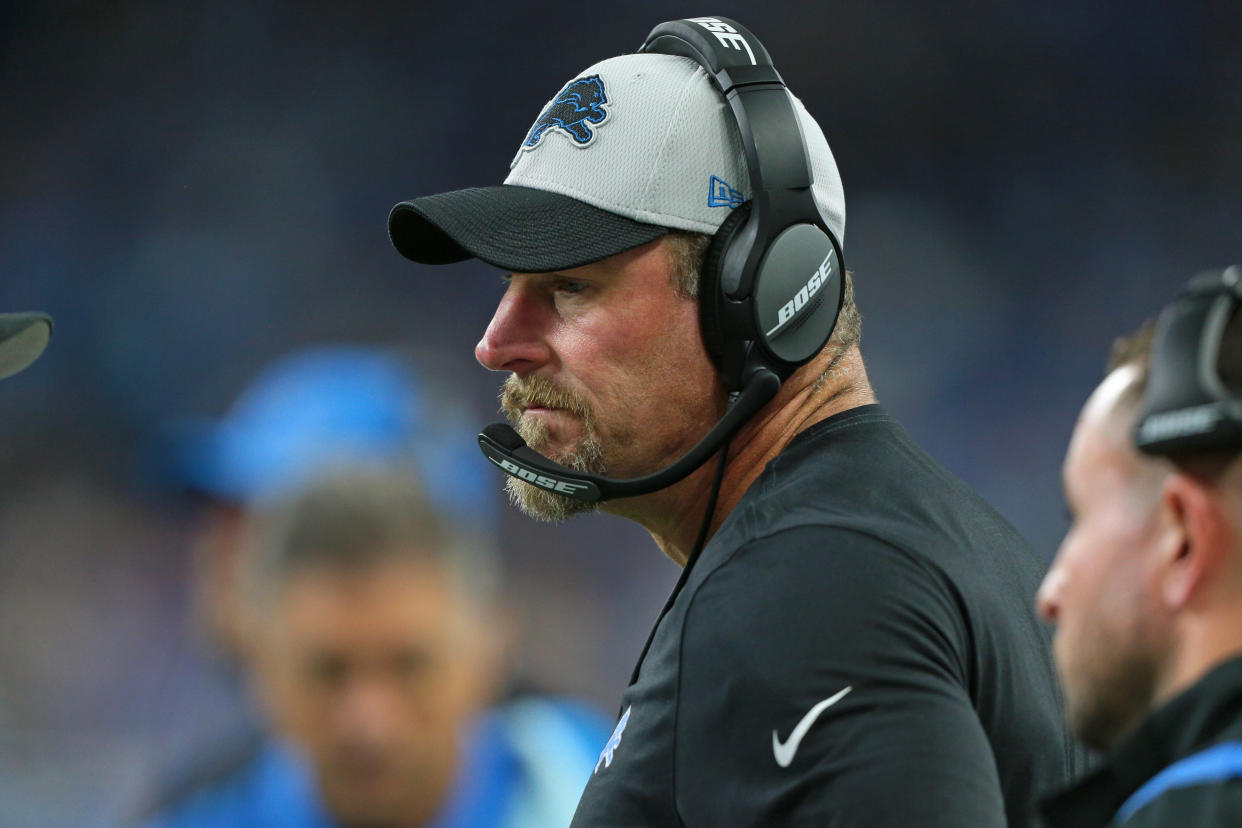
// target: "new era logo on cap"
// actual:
[[720, 194]]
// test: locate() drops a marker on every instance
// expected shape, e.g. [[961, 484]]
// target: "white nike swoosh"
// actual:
[[784, 753]]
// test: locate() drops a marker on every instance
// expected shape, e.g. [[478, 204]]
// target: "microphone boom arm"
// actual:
[[505, 447]]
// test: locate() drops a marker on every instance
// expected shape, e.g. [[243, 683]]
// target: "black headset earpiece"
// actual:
[[773, 280], [724, 350], [1188, 406]]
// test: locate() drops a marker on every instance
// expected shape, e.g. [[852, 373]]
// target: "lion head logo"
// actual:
[[579, 104]]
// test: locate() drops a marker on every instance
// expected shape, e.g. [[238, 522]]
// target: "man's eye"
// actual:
[[569, 286]]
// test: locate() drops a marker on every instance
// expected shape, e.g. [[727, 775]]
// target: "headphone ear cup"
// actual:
[[711, 300]]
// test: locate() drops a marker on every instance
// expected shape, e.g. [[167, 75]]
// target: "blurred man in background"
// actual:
[[308, 411], [23, 336], [303, 419], [1146, 590], [376, 645]]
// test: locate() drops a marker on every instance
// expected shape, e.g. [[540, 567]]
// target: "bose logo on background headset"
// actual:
[[753, 283], [1175, 424]]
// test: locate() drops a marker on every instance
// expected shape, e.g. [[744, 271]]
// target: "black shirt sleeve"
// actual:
[[770, 635]]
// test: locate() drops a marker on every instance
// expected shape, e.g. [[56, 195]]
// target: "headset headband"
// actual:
[[776, 154], [1187, 407]]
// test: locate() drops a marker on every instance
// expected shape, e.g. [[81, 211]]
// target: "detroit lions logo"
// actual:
[[614, 741], [579, 104]]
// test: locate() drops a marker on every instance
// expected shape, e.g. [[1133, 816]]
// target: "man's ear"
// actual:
[[1193, 547]]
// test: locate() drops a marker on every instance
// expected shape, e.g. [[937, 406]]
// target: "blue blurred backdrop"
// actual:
[[193, 189]]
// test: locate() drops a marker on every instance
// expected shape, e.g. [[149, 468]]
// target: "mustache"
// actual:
[[519, 394]]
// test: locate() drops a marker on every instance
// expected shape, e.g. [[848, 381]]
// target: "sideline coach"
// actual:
[[851, 642], [1146, 590]]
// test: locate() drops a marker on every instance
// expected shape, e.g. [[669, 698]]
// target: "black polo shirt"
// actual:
[[1182, 766], [856, 646]]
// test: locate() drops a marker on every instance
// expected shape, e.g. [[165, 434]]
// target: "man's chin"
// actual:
[[555, 450], [387, 802], [365, 805], [554, 443], [579, 453], [541, 504]]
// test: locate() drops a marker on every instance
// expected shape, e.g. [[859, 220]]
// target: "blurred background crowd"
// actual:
[[193, 190]]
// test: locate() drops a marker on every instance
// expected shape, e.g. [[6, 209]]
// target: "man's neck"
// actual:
[[1204, 641], [674, 516]]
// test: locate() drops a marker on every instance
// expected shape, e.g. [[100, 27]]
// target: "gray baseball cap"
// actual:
[[23, 336], [630, 148]]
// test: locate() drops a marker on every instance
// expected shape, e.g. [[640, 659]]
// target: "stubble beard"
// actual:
[[586, 456], [1111, 695]]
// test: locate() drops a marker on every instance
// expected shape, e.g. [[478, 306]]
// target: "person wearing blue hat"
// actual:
[[23, 337], [307, 411], [307, 420]]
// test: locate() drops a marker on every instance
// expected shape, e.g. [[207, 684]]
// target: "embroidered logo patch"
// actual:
[[720, 194], [579, 106], [614, 741]]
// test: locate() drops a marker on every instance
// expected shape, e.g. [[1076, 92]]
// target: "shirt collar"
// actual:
[[1179, 727]]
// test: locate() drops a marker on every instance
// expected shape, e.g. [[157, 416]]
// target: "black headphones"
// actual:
[[773, 277], [1188, 408]]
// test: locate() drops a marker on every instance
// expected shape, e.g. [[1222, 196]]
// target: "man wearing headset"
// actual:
[[850, 642], [1146, 590]]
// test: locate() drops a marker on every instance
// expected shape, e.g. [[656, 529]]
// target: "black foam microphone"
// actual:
[[505, 447]]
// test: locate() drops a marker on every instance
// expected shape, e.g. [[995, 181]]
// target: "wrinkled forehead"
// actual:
[[389, 590]]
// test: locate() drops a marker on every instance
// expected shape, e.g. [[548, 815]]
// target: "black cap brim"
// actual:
[[518, 229], [23, 336]]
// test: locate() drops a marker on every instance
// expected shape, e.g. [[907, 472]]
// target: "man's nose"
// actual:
[[1048, 598], [367, 709], [515, 338]]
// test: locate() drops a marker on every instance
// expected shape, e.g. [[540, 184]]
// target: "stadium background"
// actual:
[[193, 189]]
